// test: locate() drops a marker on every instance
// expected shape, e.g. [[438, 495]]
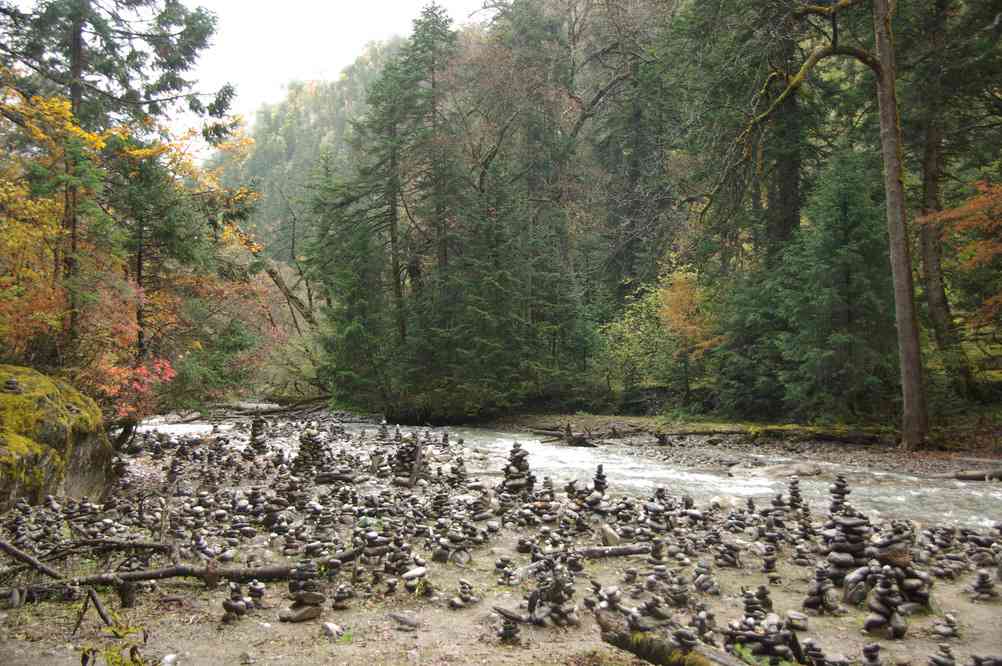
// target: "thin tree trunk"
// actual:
[[140, 297], [914, 420], [392, 197], [945, 332], [71, 220]]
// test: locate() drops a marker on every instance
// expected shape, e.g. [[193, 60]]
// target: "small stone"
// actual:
[[417, 572], [797, 621], [310, 598], [332, 631], [301, 614]]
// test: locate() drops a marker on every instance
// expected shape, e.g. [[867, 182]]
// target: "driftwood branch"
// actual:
[[972, 475], [599, 552], [655, 649], [208, 575], [24, 557]]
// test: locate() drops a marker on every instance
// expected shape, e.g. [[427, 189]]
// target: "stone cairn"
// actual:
[[728, 556], [871, 655], [813, 654], [821, 594], [845, 537], [983, 588], [343, 594], [552, 602], [948, 627], [256, 590], [943, 657], [305, 589], [518, 478], [237, 605], [509, 632], [883, 604], [404, 462], [703, 580], [760, 632], [310, 457], [839, 491], [466, 596], [796, 500], [258, 436]]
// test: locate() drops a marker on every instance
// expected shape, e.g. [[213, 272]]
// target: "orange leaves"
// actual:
[[975, 228], [132, 389], [981, 215]]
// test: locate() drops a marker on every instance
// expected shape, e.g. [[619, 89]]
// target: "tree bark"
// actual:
[[784, 191], [392, 201], [21, 556], [945, 332], [914, 419], [71, 214], [655, 649], [140, 297]]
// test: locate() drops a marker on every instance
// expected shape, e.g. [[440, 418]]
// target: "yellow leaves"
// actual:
[[147, 153], [46, 120], [234, 234], [683, 311]]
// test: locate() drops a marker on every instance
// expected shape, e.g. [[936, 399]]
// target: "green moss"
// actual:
[[49, 430]]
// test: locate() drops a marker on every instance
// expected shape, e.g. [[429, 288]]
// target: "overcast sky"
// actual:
[[260, 45]]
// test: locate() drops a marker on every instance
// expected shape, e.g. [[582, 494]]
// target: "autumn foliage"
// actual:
[[148, 260], [975, 228]]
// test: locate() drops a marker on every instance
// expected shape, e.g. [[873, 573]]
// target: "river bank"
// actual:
[[323, 486], [719, 446]]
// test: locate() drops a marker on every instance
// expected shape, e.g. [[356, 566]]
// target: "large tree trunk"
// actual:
[[914, 420], [930, 243], [784, 191]]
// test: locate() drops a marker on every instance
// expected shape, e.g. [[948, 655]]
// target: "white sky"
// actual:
[[261, 45]]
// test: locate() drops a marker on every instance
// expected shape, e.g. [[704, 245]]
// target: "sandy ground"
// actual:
[[183, 618]]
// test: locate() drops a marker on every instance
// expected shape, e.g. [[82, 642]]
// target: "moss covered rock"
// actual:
[[52, 439]]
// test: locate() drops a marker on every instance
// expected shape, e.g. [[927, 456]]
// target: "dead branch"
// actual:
[[21, 556]]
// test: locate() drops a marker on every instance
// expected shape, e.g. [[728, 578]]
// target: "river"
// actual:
[[881, 495]]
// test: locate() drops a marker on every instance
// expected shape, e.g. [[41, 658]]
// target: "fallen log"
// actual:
[[595, 553], [972, 475], [208, 575], [21, 556], [598, 552], [655, 649]]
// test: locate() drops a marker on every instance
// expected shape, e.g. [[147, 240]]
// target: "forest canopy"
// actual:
[[768, 210]]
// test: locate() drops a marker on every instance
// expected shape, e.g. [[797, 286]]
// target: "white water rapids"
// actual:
[[881, 495]]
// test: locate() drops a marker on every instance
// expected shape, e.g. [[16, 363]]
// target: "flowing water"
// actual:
[[881, 495]]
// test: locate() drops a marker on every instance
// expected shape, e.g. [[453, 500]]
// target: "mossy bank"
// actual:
[[52, 439]]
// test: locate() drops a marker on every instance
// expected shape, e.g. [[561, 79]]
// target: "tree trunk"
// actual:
[[945, 333], [392, 198], [784, 191], [140, 296], [914, 421], [71, 221]]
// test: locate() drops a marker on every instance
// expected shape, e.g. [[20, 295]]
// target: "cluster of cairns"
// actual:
[[353, 512]]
